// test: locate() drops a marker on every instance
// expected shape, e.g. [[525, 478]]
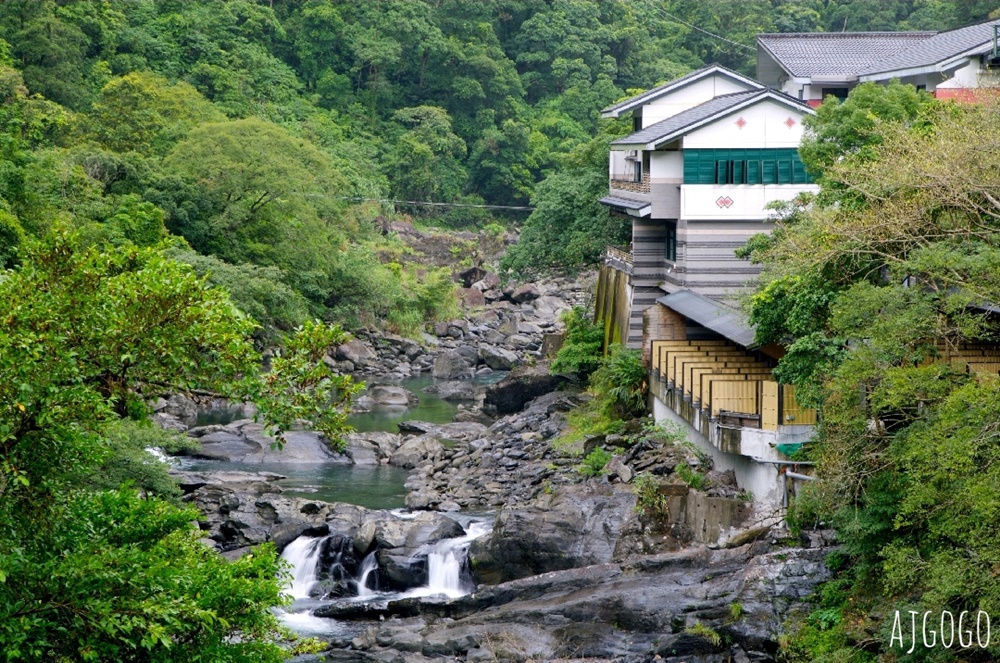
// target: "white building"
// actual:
[[708, 153]]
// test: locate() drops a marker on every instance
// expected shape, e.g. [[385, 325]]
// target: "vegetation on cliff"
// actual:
[[871, 284]]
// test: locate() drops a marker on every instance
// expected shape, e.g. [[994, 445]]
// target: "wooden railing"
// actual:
[[630, 184]]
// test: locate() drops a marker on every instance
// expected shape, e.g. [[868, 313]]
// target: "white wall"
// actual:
[[759, 478], [666, 166], [700, 201], [969, 76], [689, 96], [765, 126]]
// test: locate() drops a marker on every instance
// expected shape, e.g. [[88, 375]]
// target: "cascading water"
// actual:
[[368, 566], [303, 555], [445, 560]]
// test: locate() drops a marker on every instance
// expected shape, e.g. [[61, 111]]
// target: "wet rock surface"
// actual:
[[571, 569], [500, 331], [661, 607]]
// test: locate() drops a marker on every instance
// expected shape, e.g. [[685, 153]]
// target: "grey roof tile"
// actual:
[[699, 113], [838, 53], [687, 118], [639, 99], [938, 48]]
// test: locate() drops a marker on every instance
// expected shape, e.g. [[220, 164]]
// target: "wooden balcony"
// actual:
[[623, 183]]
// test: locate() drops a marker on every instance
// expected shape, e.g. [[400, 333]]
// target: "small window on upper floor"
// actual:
[[839, 92], [670, 241], [636, 122]]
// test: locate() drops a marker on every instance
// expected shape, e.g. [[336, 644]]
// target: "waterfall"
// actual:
[[445, 560], [303, 555], [368, 566]]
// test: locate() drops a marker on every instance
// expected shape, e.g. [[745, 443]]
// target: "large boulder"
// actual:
[[499, 359], [390, 394], [455, 390], [525, 383], [415, 451], [451, 365], [575, 526], [356, 352], [525, 293]]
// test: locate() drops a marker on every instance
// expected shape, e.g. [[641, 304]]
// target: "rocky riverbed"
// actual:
[[571, 567]]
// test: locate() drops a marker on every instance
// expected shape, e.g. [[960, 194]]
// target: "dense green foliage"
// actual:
[[581, 349], [91, 568], [871, 284], [254, 129]]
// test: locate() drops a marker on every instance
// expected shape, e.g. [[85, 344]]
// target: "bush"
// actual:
[[620, 382], [691, 477], [581, 351], [593, 464], [650, 501]]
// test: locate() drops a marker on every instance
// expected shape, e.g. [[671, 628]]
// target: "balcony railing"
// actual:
[[627, 183], [619, 259]]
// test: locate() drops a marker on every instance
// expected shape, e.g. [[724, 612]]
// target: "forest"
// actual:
[[186, 183]]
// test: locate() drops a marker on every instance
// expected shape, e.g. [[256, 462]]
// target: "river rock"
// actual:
[[524, 384], [383, 444], [416, 450], [525, 293], [455, 390], [390, 394], [498, 358], [450, 365], [357, 352], [576, 526], [471, 297]]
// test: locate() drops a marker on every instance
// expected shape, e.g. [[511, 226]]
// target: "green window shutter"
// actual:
[[753, 171], [739, 172], [769, 171], [799, 174], [785, 171], [721, 166]]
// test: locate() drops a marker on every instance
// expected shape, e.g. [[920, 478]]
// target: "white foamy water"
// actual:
[[444, 564], [303, 555]]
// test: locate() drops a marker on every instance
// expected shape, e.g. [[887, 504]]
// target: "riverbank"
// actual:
[[559, 566]]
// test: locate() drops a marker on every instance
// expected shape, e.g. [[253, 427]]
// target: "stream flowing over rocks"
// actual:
[[503, 551]]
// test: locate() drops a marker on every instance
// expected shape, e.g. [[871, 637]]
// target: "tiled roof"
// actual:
[[837, 53], [852, 54], [686, 118], [693, 116], [639, 99], [938, 48]]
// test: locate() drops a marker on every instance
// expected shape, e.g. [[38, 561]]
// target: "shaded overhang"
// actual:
[[721, 319], [636, 208]]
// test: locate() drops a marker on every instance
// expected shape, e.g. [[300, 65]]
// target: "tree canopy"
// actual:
[[875, 285], [90, 569]]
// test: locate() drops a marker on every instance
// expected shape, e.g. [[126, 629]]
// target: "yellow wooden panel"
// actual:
[[769, 405], [735, 396], [706, 384], [693, 370], [675, 365], [984, 368], [793, 414]]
